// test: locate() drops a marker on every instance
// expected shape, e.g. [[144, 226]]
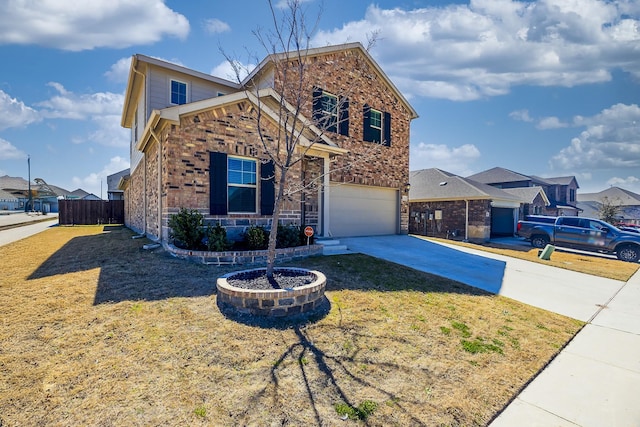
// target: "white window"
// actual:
[[242, 185], [178, 92]]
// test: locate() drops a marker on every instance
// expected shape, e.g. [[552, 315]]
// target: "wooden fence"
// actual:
[[90, 212]]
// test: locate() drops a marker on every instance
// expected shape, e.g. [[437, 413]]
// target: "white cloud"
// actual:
[[8, 151], [610, 139], [451, 159], [68, 105], [119, 72], [103, 109], [215, 26], [226, 71], [551, 123], [95, 180], [469, 51], [83, 25], [14, 113], [521, 115]]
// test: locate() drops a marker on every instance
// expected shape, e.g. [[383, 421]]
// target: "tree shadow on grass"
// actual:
[[127, 271]]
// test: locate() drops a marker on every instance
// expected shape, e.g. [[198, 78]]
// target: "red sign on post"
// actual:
[[308, 231]]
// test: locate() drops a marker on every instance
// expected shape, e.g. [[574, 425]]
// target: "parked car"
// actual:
[[634, 228], [582, 233]]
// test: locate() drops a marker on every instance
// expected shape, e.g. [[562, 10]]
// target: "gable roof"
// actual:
[[613, 194], [560, 180], [496, 175], [436, 184], [114, 179], [268, 61], [267, 99], [136, 82], [13, 183], [528, 194]]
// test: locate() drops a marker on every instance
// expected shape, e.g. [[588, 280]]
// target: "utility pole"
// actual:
[[29, 205]]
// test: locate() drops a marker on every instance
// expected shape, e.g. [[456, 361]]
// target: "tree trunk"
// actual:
[[275, 220]]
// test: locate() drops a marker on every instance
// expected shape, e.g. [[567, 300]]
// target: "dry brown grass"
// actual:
[[96, 331], [594, 264]]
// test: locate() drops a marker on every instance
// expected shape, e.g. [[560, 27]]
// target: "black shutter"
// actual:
[[343, 118], [317, 105], [267, 188], [387, 129], [218, 183], [366, 124]]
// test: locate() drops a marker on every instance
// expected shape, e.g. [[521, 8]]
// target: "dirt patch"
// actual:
[[282, 279]]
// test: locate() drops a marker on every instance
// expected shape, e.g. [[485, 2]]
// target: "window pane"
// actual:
[[242, 199], [235, 177], [376, 119], [178, 92]]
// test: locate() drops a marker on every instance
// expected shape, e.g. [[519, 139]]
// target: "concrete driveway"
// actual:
[[595, 380], [570, 293]]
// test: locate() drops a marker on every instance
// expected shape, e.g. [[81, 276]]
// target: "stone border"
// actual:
[[243, 257], [271, 303]]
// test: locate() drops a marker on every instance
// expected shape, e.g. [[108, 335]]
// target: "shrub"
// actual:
[[256, 238], [186, 229], [217, 238], [288, 236]]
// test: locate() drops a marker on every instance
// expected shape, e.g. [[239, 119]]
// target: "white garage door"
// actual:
[[356, 210]]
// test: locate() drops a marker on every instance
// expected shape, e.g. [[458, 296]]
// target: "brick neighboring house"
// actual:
[[195, 144], [446, 205], [561, 192]]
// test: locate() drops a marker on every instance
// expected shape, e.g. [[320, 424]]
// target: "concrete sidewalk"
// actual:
[[17, 226], [595, 380]]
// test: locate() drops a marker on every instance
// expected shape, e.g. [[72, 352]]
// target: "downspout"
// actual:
[[144, 156], [153, 134], [466, 220]]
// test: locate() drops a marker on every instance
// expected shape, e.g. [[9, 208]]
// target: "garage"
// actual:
[[502, 221], [356, 210]]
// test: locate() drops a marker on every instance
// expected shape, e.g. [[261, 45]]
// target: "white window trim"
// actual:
[[244, 185], [171, 80], [381, 120]]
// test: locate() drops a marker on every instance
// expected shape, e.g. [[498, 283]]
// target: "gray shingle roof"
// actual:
[[435, 184], [527, 194], [614, 194], [496, 175]]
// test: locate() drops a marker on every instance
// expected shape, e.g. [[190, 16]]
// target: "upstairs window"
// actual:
[[376, 126], [178, 92], [330, 112]]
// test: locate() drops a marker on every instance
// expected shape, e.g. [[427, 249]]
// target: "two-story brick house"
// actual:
[[195, 143]]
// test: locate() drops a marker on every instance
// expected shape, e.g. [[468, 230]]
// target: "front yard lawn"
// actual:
[[94, 330]]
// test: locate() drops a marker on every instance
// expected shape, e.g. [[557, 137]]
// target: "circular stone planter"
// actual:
[[271, 302]]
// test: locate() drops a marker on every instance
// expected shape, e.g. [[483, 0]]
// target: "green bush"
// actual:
[[217, 238], [288, 236], [186, 229], [256, 238]]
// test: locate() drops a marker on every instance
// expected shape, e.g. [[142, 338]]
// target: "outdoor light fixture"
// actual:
[[196, 119], [407, 187]]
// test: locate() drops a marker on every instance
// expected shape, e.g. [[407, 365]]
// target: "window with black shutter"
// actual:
[[330, 112], [234, 185], [376, 126]]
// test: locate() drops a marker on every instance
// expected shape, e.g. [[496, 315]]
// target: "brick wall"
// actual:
[[452, 224], [232, 129]]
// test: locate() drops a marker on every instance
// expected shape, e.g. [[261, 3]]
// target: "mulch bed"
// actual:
[[282, 279]]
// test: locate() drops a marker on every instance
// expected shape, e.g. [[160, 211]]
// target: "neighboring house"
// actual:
[[44, 197], [195, 144], [113, 180], [80, 194], [446, 205], [561, 192], [628, 201]]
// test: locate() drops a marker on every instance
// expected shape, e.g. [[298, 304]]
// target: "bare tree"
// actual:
[[287, 45]]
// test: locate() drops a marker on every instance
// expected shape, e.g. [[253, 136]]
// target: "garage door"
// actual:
[[502, 223], [362, 211]]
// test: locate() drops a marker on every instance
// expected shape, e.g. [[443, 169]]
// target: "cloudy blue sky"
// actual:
[[548, 87]]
